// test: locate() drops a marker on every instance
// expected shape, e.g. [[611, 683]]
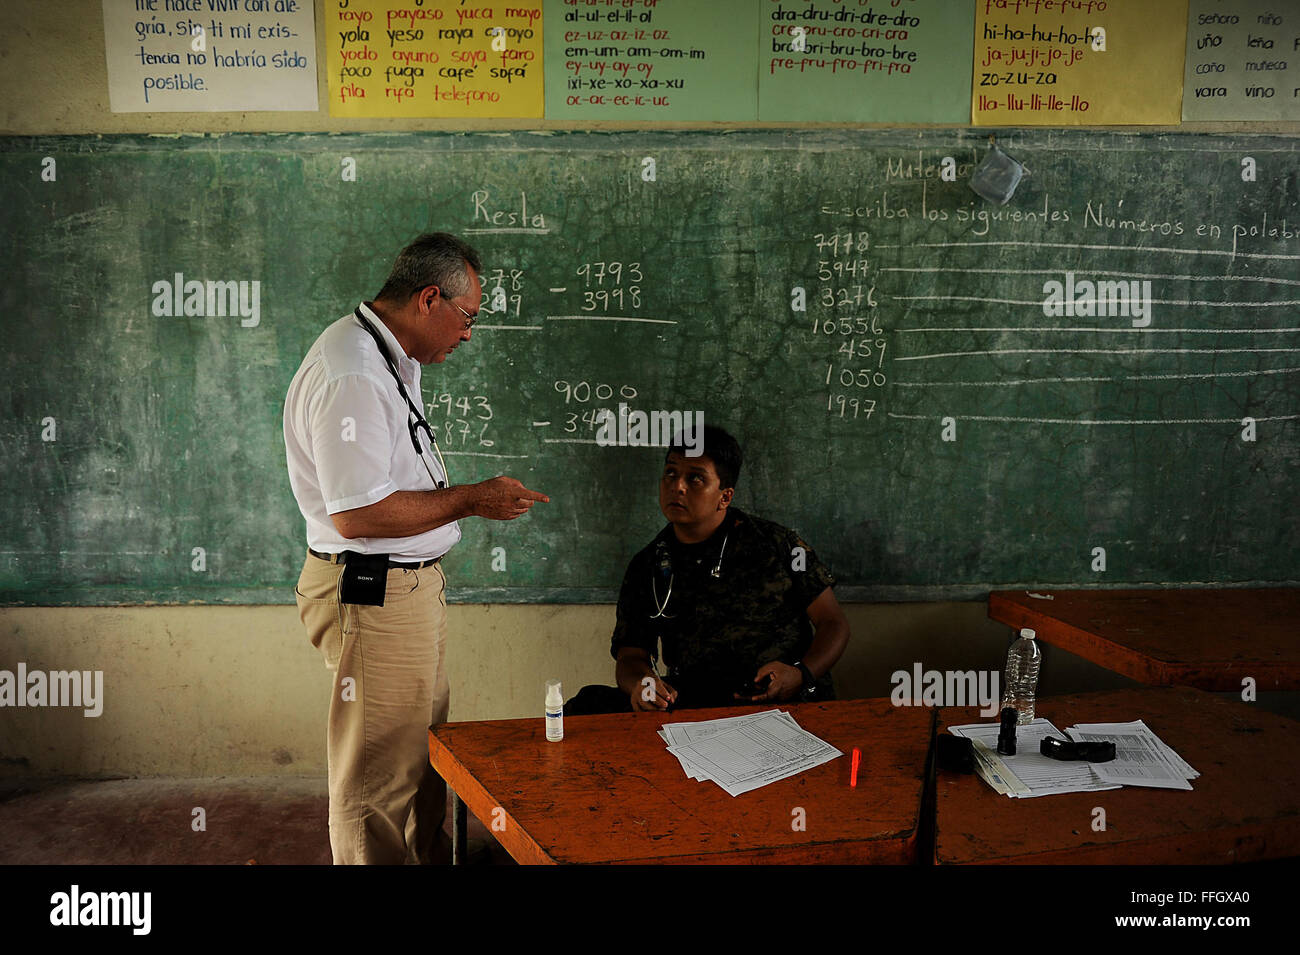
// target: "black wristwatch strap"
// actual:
[[809, 681]]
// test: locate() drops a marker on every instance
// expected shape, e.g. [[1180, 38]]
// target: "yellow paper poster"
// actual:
[[1078, 62], [436, 58]]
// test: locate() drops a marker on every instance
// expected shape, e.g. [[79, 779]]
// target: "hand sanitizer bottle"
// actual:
[[554, 711]]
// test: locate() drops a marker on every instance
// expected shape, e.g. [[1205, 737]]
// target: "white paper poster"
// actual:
[[210, 55]]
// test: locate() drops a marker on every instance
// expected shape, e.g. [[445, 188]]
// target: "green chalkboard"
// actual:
[[875, 334]]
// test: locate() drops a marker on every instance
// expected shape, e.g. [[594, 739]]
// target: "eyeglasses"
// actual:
[[471, 319]]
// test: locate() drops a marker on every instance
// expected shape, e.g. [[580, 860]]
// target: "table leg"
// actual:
[[459, 830]]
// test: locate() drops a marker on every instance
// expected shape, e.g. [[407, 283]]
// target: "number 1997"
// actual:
[[842, 406]]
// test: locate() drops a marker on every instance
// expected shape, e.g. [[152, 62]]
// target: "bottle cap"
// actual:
[[1026, 632]]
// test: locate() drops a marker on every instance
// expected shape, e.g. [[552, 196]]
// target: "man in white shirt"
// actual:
[[380, 514]]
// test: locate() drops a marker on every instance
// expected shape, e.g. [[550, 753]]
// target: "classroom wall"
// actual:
[[55, 80], [238, 690]]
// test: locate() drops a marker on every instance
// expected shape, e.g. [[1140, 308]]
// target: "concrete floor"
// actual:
[[270, 820]]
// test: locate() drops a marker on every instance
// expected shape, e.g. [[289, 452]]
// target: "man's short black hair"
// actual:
[[721, 448], [434, 258]]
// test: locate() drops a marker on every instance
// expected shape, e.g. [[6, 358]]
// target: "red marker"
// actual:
[[853, 775]]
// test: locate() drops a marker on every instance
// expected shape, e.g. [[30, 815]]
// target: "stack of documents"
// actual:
[[741, 753], [1141, 759]]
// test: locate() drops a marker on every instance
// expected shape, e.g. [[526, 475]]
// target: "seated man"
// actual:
[[743, 607]]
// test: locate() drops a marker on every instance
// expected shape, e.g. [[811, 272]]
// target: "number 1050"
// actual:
[[862, 378]]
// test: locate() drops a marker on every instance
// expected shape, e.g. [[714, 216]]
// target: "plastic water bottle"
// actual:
[[554, 711], [1020, 678]]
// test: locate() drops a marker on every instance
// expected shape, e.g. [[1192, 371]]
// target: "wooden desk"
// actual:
[[1244, 807], [610, 792], [1205, 638]]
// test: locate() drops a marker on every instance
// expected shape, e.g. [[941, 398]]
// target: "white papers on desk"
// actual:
[[1141, 759], [1029, 773], [742, 753]]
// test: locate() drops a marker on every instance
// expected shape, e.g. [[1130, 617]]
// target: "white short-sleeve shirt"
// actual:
[[347, 441]]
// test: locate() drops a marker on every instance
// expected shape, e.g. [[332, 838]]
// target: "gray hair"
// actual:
[[434, 258]]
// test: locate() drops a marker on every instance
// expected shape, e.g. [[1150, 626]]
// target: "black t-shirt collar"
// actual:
[[668, 549]]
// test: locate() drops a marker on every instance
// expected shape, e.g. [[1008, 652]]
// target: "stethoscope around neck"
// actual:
[[415, 420], [666, 561]]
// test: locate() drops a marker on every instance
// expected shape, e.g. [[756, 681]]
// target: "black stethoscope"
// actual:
[[413, 426], [666, 567]]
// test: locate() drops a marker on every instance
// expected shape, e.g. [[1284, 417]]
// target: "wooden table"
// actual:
[[1205, 638], [610, 792], [1244, 807]]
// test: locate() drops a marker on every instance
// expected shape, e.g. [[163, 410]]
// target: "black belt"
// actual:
[[343, 559]]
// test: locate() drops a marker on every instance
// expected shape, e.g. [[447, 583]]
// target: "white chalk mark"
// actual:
[[484, 454], [1123, 329], [1095, 248], [1095, 351], [1087, 421], [593, 440], [518, 230], [1097, 299], [1040, 381], [92, 553], [559, 290], [508, 328], [1088, 272], [540, 424], [607, 318]]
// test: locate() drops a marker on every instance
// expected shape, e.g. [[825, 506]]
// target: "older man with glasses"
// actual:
[[381, 512]]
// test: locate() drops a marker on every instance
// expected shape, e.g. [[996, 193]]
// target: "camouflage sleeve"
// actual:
[[631, 626], [809, 574]]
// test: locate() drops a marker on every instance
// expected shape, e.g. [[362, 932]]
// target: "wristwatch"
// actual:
[[809, 681]]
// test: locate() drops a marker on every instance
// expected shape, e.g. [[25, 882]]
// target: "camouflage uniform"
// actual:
[[717, 631]]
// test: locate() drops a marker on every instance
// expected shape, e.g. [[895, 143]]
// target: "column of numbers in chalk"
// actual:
[[586, 401], [610, 291], [845, 327], [461, 422], [503, 295], [610, 288]]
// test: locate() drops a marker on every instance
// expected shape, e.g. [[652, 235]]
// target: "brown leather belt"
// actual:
[[343, 559]]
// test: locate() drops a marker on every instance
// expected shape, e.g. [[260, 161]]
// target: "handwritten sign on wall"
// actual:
[[1243, 61], [210, 55], [825, 60], [443, 58], [1078, 62], [651, 60]]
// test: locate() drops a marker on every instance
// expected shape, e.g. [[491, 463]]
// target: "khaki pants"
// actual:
[[386, 804]]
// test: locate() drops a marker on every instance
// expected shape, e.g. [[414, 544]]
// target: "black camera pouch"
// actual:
[[365, 578], [956, 753]]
